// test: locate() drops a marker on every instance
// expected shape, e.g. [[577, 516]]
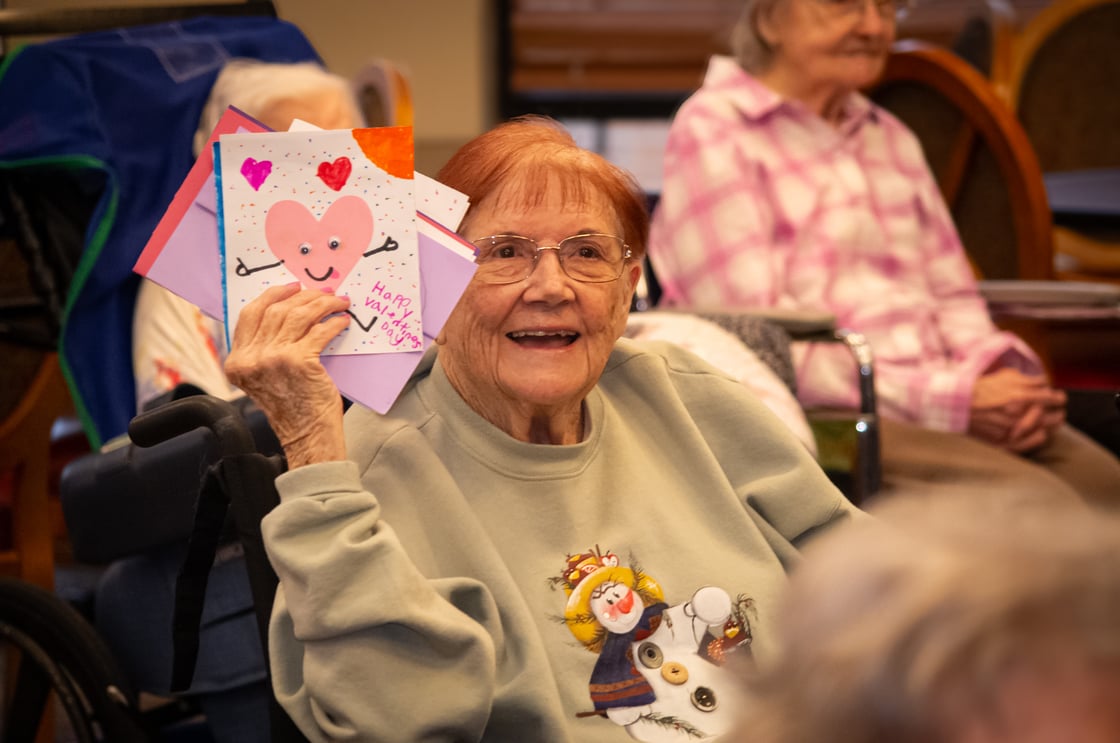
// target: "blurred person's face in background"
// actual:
[[836, 46]]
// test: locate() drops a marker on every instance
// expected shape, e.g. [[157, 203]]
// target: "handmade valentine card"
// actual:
[[333, 210]]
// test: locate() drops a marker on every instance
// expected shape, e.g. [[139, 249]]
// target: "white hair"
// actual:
[[748, 46], [253, 86]]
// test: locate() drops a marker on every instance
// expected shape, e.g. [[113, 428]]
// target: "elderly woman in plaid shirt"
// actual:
[[784, 187]]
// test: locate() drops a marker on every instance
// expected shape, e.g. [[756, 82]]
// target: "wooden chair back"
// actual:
[[986, 41], [1064, 82], [980, 156], [32, 397]]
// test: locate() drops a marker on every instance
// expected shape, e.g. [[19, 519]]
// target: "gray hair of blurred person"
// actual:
[[908, 628], [748, 46], [254, 87]]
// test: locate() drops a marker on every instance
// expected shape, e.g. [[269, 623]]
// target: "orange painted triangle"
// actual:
[[388, 147]]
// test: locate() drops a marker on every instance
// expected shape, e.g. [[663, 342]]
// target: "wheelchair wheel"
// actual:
[[55, 670]]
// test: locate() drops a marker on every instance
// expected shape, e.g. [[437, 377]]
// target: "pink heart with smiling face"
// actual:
[[319, 252]]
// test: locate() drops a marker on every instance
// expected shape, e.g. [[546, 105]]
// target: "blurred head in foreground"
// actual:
[[955, 621]]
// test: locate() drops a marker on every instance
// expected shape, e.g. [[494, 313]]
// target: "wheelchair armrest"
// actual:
[[798, 323], [868, 464], [820, 327], [813, 327], [199, 411], [860, 350], [794, 322]]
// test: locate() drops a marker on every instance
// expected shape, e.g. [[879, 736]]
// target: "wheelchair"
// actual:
[[49, 652], [78, 203]]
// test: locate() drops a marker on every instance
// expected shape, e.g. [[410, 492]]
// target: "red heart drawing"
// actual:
[[319, 252], [335, 174], [256, 172]]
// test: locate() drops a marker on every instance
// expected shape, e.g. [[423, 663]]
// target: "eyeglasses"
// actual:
[[592, 258], [886, 8]]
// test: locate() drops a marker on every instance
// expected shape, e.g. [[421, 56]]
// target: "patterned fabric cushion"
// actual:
[[769, 341]]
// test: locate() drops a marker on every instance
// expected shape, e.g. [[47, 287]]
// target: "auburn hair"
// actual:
[[519, 160]]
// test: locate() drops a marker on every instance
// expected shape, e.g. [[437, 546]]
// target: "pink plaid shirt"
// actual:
[[764, 204]]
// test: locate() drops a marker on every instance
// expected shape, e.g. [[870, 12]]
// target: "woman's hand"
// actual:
[[275, 360], [1033, 429], [1015, 411]]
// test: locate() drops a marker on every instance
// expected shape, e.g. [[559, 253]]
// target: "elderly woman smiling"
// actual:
[[554, 534]]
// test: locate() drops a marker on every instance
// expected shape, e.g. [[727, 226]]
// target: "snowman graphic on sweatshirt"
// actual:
[[659, 668]]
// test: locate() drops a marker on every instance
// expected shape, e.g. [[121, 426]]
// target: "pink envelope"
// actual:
[[182, 254]]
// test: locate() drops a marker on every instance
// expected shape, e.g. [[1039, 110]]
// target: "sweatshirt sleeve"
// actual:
[[362, 645]]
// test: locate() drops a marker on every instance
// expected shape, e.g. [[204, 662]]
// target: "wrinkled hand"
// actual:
[[275, 360], [1014, 410]]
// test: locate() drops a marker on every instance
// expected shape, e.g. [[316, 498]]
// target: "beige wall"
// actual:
[[444, 46]]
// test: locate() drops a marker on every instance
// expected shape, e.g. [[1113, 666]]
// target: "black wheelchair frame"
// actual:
[[49, 651]]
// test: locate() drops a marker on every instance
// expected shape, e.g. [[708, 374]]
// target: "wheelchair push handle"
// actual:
[[199, 411]]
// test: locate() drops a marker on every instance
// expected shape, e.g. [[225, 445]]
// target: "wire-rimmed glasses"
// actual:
[[886, 8], [591, 258]]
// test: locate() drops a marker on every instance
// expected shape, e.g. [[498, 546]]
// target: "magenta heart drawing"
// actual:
[[256, 171], [335, 174], [319, 252]]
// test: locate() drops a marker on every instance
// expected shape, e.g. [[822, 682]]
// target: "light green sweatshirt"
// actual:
[[423, 582]]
